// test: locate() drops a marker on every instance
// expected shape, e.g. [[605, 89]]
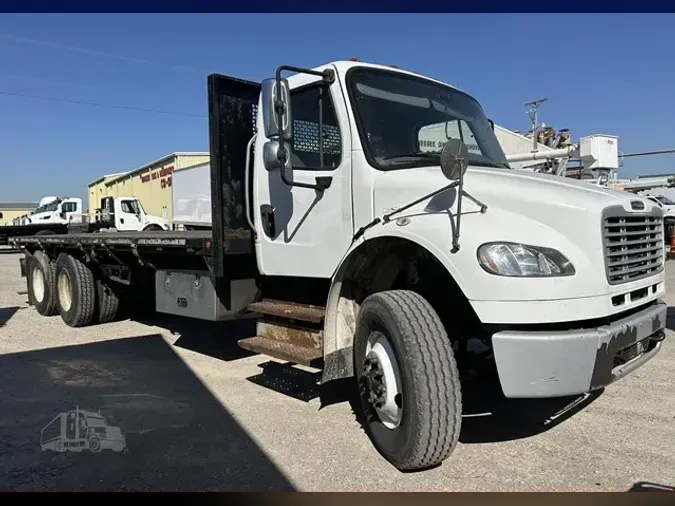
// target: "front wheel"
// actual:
[[408, 380], [94, 445]]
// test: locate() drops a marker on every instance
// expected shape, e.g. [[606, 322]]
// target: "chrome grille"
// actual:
[[633, 245]]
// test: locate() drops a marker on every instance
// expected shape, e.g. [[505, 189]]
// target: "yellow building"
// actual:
[[151, 183], [11, 210]]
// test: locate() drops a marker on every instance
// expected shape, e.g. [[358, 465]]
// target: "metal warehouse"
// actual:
[[151, 183], [11, 210]]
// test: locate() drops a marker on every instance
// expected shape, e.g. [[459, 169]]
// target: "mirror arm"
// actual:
[[328, 76], [387, 217]]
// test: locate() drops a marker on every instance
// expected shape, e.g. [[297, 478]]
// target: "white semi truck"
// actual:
[[362, 253]]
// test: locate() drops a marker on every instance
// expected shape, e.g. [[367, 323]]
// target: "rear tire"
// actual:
[[41, 284], [107, 300], [408, 380], [75, 291]]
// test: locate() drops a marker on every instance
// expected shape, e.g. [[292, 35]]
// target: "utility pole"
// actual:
[[532, 112]]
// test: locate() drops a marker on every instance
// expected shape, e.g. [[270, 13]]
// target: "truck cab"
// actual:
[[664, 203], [57, 210], [561, 280], [128, 214]]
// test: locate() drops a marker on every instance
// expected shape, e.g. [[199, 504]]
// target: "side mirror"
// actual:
[[275, 101], [492, 124], [270, 156], [454, 159]]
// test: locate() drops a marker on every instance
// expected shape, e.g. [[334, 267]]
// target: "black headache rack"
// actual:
[[233, 107]]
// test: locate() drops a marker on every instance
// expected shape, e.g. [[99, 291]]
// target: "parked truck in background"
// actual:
[[362, 253], [63, 216], [126, 214]]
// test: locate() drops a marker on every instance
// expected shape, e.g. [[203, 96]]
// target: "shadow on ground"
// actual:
[[6, 313], [178, 436], [215, 339], [490, 417], [487, 415]]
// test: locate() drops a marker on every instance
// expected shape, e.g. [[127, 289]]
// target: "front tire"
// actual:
[[75, 291], [408, 380], [94, 445], [40, 281]]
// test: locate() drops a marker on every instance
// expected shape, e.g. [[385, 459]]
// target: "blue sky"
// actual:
[[609, 74]]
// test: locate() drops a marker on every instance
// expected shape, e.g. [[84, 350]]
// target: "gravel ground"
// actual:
[[198, 414]]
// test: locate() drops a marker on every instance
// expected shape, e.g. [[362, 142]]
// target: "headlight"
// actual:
[[522, 260]]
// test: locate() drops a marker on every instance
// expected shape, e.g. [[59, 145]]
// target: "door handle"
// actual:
[[267, 218]]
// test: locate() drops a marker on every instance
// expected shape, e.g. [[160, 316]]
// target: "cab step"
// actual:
[[284, 339], [289, 310], [282, 350]]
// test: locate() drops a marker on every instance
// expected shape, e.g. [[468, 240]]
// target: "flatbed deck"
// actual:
[[9, 231], [192, 240], [179, 238]]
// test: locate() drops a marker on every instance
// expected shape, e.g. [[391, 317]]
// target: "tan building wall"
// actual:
[[7, 214], [151, 184]]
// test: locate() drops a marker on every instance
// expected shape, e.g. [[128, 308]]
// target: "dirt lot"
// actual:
[[198, 413]]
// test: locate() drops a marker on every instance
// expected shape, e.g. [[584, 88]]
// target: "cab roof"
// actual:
[[344, 65]]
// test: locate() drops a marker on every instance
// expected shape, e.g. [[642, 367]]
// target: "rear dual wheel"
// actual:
[[75, 291], [82, 299], [40, 283]]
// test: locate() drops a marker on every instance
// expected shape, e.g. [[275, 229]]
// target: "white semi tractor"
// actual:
[[374, 259]]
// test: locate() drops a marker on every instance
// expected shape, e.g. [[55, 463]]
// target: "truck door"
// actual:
[[302, 231], [70, 211], [128, 216]]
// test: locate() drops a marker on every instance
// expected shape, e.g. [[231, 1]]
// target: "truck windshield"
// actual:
[[405, 120], [665, 201]]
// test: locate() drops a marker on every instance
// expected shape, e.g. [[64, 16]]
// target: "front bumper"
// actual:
[[560, 363]]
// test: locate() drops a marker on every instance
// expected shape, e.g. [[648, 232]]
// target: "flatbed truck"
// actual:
[[115, 214], [370, 258]]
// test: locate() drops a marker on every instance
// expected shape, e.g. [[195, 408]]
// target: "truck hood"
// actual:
[[514, 190], [522, 207]]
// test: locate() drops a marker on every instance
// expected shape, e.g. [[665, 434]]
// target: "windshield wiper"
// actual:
[[414, 154]]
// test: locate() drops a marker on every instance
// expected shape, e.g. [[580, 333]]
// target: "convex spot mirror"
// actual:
[[275, 100], [271, 158], [454, 159]]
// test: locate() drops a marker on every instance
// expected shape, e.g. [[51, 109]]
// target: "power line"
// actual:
[[50, 81], [97, 104], [93, 52]]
